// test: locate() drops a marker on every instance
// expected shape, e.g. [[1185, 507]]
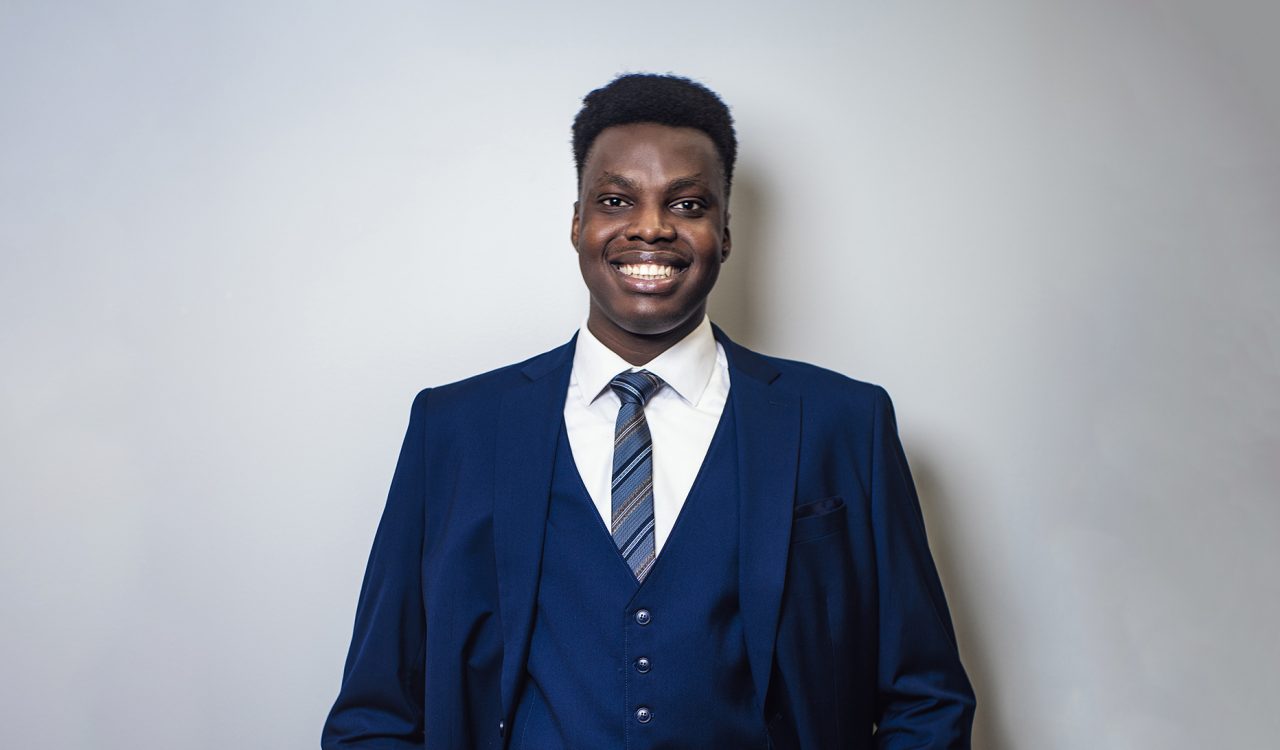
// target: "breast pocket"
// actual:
[[818, 519]]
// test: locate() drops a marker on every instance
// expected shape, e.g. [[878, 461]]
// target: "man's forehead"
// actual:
[[652, 135], [621, 152]]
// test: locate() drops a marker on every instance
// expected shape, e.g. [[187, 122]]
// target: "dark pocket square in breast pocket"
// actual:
[[818, 518]]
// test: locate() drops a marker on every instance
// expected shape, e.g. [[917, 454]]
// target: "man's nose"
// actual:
[[650, 224]]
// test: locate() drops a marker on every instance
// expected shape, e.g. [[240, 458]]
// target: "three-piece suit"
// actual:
[[795, 604]]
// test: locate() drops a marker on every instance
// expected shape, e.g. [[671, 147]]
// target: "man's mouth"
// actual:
[[647, 271]]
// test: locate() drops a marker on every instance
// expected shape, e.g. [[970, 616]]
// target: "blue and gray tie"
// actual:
[[632, 489]]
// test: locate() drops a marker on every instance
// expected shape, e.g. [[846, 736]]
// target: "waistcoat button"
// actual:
[[643, 617], [643, 665], [502, 728], [644, 715]]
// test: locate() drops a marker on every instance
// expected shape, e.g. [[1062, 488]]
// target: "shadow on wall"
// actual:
[[939, 512], [733, 303]]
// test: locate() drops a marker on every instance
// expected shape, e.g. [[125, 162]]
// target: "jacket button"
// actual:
[[644, 715], [643, 617], [502, 729], [643, 665]]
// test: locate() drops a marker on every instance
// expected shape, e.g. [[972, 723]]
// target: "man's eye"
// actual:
[[613, 201], [688, 205]]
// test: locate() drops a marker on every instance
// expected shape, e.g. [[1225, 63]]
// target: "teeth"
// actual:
[[648, 270]]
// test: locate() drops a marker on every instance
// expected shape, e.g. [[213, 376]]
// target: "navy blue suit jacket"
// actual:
[[848, 635]]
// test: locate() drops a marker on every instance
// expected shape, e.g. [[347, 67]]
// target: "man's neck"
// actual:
[[638, 349]]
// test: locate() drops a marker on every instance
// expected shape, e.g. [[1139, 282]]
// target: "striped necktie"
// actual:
[[632, 490]]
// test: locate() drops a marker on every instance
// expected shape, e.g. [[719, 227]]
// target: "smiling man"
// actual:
[[652, 537]]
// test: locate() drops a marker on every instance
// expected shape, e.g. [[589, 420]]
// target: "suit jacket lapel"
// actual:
[[768, 422], [528, 429]]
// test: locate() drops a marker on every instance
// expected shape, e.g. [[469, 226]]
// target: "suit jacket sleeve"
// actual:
[[380, 704], [925, 700]]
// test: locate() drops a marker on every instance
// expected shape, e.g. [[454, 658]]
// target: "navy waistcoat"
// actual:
[[663, 664]]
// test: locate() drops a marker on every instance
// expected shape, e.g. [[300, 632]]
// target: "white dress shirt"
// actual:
[[682, 417]]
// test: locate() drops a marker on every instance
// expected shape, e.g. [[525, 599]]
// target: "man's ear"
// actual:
[[573, 230], [726, 243]]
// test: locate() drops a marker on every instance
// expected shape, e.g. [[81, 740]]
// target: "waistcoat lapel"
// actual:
[[768, 425], [528, 428]]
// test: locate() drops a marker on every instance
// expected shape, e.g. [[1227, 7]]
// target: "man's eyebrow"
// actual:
[[611, 178], [690, 181]]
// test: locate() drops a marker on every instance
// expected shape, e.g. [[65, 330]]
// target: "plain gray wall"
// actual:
[[238, 237]]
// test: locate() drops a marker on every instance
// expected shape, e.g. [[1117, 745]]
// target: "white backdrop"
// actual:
[[238, 237]]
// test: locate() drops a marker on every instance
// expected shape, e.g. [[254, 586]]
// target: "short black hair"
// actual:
[[663, 99]]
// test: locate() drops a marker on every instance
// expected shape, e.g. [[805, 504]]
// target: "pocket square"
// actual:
[[818, 507]]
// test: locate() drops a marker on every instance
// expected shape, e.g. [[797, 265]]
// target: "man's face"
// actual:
[[651, 227]]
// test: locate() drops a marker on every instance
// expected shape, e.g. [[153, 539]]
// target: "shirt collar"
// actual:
[[686, 366]]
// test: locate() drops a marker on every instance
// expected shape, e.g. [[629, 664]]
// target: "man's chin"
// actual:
[[656, 324]]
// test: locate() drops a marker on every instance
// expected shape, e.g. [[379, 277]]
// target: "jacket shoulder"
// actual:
[[817, 383], [482, 389]]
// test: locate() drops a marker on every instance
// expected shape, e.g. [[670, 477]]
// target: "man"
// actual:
[[651, 536]]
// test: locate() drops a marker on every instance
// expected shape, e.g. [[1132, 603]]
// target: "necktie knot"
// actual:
[[635, 387]]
